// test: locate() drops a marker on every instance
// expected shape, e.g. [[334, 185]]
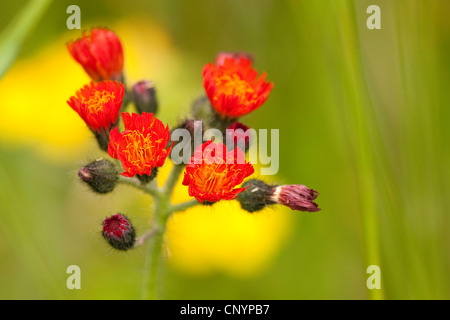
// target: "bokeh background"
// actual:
[[363, 118]]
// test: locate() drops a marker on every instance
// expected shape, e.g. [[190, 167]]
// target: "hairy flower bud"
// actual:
[[238, 135], [144, 97], [119, 232], [259, 194], [201, 108], [184, 140], [222, 56], [101, 175]]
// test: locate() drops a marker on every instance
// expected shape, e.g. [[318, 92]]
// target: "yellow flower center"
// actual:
[[97, 101], [212, 178], [232, 84], [139, 148]]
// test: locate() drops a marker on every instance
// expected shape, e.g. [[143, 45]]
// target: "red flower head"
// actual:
[[213, 172], [100, 53], [233, 86], [98, 104], [141, 147], [119, 232]]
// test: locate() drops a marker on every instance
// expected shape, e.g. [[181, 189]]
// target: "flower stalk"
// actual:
[[162, 210], [154, 253]]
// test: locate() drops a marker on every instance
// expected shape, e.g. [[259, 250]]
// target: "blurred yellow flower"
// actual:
[[223, 237], [35, 114], [226, 238]]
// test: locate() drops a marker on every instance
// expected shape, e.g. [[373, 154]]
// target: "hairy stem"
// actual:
[[184, 205], [154, 253], [173, 178], [146, 236], [150, 188], [162, 210], [150, 290]]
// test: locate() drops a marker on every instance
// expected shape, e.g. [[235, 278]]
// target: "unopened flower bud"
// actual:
[[296, 197], [237, 135], [119, 232], [222, 56], [101, 175], [259, 194], [201, 108], [184, 142], [189, 125], [144, 96]]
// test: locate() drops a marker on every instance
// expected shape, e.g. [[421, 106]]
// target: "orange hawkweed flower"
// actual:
[[141, 147], [233, 86], [100, 53], [98, 104], [213, 172]]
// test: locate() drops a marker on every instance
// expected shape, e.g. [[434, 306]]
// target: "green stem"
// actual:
[[184, 206], [173, 178], [154, 252], [150, 188], [151, 289], [148, 235], [155, 236], [153, 263]]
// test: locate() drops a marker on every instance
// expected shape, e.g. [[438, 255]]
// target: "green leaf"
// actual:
[[13, 36]]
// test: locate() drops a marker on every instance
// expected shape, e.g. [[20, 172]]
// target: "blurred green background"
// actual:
[[363, 119]]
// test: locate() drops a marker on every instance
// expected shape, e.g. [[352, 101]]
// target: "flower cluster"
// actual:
[[213, 173]]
